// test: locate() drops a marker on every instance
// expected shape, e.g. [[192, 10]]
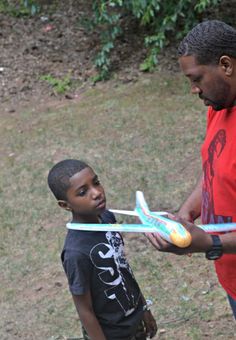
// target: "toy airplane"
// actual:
[[152, 222]]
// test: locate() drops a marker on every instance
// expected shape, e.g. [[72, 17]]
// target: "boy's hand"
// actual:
[[150, 324]]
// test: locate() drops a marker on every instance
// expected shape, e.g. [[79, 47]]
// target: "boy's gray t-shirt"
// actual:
[[96, 261]]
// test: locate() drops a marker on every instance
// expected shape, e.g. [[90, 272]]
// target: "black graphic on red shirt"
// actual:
[[215, 150]]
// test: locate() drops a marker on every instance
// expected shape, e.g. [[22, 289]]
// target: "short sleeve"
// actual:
[[77, 268], [108, 217]]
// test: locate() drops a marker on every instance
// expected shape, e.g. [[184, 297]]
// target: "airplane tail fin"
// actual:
[[140, 202]]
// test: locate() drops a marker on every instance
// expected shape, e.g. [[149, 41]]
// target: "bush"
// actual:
[[163, 19], [19, 8]]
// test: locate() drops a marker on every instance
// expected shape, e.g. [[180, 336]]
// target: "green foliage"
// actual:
[[22, 8], [107, 19], [59, 86], [164, 20], [202, 5]]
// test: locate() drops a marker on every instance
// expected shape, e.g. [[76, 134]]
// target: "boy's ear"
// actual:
[[64, 205]]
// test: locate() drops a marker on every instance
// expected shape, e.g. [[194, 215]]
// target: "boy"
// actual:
[[107, 297]]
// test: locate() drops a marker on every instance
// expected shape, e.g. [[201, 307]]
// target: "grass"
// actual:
[[139, 136]]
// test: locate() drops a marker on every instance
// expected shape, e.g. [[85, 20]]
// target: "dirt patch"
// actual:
[[55, 43], [43, 45]]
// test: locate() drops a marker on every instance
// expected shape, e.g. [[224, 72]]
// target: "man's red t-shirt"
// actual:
[[219, 184]]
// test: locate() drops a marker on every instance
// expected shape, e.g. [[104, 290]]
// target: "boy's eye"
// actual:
[[82, 192]]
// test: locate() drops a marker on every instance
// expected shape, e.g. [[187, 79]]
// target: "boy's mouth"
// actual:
[[101, 204]]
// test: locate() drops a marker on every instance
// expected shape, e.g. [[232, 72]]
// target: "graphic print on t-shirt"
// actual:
[[215, 150], [109, 258]]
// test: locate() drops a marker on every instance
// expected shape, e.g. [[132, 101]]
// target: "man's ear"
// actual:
[[226, 63], [64, 205]]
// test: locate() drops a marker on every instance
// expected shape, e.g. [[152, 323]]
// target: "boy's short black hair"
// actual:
[[60, 174]]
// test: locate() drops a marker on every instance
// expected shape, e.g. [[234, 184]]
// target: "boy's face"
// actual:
[[85, 197]]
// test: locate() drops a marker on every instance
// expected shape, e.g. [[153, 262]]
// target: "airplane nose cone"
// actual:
[[180, 240]]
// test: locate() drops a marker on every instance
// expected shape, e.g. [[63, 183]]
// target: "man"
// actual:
[[207, 57]]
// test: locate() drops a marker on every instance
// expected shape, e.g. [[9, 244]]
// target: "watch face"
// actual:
[[214, 254]]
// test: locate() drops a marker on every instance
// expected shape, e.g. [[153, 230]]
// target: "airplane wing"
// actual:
[[134, 213], [124, 212], [144, 228], [221, 227], [132, 228]]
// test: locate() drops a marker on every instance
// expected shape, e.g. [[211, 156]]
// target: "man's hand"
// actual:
[[201, 241]]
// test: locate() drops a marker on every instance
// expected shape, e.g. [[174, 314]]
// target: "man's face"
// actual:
[[86, 196], [208, 81]]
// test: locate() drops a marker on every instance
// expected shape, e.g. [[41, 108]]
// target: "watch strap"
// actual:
[[216, 250]]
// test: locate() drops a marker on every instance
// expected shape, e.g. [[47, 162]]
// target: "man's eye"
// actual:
[[196, 80], [97, 182]]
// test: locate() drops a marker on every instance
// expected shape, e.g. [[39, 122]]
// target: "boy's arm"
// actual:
[[148, 319], [83, 304]]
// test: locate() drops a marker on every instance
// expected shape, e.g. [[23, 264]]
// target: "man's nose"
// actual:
[[195, 89]]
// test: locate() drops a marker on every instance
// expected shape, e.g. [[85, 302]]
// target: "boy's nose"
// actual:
[[96, 193]]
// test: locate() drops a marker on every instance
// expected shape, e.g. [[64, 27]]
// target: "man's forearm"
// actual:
[[228, 242], [191, 208]]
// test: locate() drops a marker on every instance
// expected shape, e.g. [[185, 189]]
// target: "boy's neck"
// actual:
[[85, 219]]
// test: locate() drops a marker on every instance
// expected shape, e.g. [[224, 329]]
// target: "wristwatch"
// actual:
[[216, 250]]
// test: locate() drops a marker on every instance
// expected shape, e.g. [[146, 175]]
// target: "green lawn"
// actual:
[[138, 136]]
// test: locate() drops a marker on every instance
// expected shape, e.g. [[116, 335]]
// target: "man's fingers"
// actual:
[[157, 241], [152, 239], [171, 216]]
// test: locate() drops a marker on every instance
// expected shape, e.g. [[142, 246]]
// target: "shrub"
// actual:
[[163, 19]]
